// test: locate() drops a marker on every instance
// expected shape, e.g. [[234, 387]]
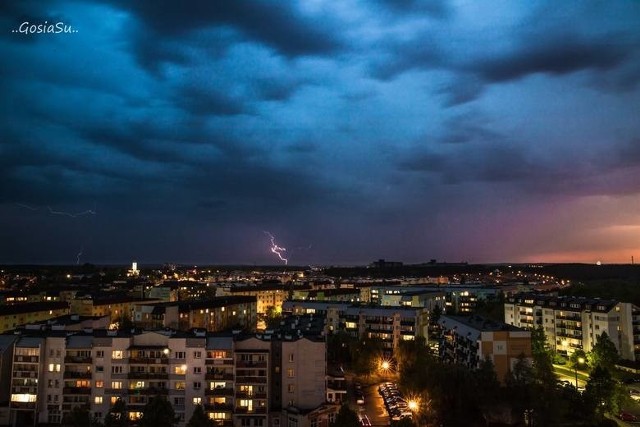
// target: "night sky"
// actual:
[[397, 129]]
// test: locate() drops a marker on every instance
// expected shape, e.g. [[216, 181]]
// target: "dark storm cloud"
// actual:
[[489, 162], [196, 127], [437, 8], [560, 54], [201, 100], [277, 24]]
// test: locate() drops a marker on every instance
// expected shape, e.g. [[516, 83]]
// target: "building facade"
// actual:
[[572, 323], [242, 381], [468, 340], [15, 315], [391, 325]]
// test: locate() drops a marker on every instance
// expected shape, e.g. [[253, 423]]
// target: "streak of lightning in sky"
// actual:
[[62, 213], [277, 249], [79, 255]]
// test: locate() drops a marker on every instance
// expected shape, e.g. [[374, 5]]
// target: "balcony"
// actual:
[[148, 360], [23, 405], [245, 410], [227, 361], [250, 364], [251, 380], [218, 407], [575, 317], [220, 391], [76, 390], [148, 391], [77, 359], [148, 376], [74, 375], [218, 376]]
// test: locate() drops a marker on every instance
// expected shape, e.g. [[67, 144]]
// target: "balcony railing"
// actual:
[[148, 376], [217, 376], [245, 410], [76, 390], [225, 361], [149, 360], [225, 407], [251, 380], [77, 359], [222, 391], [249, 364], [73, 374]]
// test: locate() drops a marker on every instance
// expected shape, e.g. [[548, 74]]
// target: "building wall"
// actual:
[[11, 321], [570, 328]]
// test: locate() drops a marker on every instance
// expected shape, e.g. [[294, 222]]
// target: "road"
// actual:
[[374, 406]]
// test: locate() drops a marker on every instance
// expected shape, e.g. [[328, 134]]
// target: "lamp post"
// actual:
[[579, 361]]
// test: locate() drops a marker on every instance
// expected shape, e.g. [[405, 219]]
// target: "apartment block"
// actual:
[[214, 314], [468, 340], [572, 323], [114, 307], [241, 381], [15, 315], [266, 295], [389, 324]]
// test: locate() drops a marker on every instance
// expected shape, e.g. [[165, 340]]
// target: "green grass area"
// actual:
[[570, 372]]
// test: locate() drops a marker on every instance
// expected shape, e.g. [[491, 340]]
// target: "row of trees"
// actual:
[[157, 413], [453, 395]]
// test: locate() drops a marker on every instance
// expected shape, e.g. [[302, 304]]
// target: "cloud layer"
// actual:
[[404, 130]]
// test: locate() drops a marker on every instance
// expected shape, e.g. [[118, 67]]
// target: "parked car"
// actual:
[[626, 416]]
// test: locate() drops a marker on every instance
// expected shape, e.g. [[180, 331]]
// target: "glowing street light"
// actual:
[[385, 365], [575, 367], [413, 405]]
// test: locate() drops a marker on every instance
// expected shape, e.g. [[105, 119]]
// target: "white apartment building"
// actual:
[[572, 323], [240, 381]]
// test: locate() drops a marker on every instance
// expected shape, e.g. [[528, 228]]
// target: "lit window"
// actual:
[[97, 400]]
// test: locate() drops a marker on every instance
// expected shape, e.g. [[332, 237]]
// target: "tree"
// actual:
[[158, 413], [486, 380], [600, 391], [117, 415], [578, 359], [604, 353], [346, 418], [79, 416], [199, 418]]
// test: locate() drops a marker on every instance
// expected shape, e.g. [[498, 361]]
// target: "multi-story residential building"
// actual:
[[240, 381], [468, 340], [343, 294], [389, 324], [213, 314], [452, 298], [268, 296], [14, 315], [114, 307], [572, 323]]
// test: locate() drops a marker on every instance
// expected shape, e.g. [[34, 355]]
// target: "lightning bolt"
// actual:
[[69, 214], [62, 213], [79, 255], [277, 249]]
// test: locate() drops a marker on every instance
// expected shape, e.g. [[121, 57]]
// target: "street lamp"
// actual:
[[579, 361]]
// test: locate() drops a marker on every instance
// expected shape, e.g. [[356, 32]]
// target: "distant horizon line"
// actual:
[[295, 266]]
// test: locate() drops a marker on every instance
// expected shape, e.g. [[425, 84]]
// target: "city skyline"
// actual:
[[343, 132]]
